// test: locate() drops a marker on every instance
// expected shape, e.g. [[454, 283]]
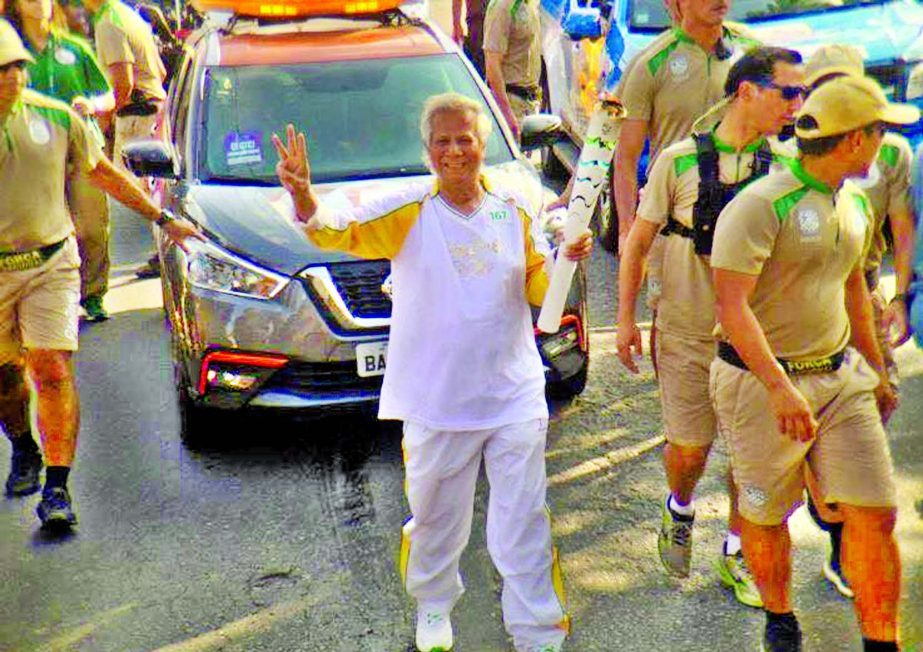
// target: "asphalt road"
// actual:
[[285, 537]]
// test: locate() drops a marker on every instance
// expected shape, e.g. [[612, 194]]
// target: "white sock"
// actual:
[[732, 544], [683, 510]]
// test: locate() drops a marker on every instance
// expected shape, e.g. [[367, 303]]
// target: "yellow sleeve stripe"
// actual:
[[380, 237], [536, 278]]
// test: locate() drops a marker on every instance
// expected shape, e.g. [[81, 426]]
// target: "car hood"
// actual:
[[257, 222]]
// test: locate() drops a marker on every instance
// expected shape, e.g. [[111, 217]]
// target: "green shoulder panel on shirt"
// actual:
[[784, 204], [109, 12], [656, 62], [684, 162], [741, 34], [889, 154], [862, 201]]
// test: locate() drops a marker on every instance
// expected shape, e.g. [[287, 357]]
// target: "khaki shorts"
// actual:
[[849, 456], [38, 307], [682, 372], [522, 107]]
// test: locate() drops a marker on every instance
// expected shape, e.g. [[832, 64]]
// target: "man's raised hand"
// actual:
[[294, 172]]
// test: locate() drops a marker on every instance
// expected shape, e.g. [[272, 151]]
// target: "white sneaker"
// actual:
[[434, 631], [551, 647]]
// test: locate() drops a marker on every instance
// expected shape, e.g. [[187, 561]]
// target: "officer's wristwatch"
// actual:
[[166, 216]]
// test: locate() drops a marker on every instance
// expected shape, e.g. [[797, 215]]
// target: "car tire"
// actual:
[[569, 388], [605, 219], [195, 421], [192, 419], [573, 386]]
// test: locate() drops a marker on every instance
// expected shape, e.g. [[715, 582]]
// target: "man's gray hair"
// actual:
[[453, 103]]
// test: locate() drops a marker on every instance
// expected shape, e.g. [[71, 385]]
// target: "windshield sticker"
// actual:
[[243, 148]]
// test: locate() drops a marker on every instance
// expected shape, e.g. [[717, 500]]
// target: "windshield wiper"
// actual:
[[373, 174], [232, 180]]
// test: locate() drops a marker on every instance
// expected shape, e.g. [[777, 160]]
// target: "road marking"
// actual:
[[70, 640], [246, 626], [607, 461]]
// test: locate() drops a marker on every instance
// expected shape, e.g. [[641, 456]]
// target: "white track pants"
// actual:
[[441, 472]]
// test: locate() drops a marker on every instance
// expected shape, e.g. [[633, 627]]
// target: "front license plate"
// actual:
[[371, 358]]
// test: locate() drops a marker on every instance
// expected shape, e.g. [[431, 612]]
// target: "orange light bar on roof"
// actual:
[[298, 8]]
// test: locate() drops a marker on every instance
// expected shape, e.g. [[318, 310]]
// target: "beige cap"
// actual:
[[11, 47], [832, 59], [848, 103]]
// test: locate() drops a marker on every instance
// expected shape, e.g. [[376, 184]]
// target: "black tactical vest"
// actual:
[[714, 195]]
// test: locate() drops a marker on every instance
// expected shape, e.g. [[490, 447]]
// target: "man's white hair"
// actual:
[[453, 103]]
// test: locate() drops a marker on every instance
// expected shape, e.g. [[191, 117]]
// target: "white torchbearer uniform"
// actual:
[[465, 376]]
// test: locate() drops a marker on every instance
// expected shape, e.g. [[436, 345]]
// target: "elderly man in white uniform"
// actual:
[[464, 373]]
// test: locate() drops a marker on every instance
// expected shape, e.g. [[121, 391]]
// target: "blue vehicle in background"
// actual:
[[582, 58]]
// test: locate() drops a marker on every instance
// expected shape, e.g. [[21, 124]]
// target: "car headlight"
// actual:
[[915, 81], [212, 268]]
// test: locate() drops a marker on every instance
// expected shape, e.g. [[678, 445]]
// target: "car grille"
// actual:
[[359, 283], [891, 78], [318, 377]]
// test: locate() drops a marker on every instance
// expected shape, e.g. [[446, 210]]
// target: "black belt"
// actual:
[[792, 367], [18, 261], [528, 93], [675, 226], [139, 108]]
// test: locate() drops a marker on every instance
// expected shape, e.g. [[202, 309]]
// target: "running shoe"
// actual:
[[93, 306], [550, 647], [150, 269], [675, 541], [434, 631], [782, 636], [24, 470], [834, 574], [734, 574], [55, 509]]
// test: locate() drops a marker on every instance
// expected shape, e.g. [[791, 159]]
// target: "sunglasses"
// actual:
[[788, 93]]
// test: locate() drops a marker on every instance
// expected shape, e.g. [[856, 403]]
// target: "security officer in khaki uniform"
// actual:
[[669, 84], [126, 48], [66, 69], [887, 186], [513, 57], [690, 183], [799, 378], [44, 143], [470, 32]]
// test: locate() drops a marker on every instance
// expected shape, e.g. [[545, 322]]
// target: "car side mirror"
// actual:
[[149, 158], [540, 130]]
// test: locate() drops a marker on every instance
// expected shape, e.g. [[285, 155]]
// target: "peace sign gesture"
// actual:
[[294, 172]]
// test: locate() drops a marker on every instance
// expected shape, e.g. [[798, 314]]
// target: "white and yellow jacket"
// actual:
[[462, 353]]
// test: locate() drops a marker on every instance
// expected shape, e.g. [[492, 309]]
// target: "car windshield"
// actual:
[[651, 15], [361, 118]]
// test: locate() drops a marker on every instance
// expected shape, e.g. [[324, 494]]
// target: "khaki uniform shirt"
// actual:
[[888, 188], [673, 81], [686, 306], [43, 142], [122, 36], [513, 29], [802, 240]]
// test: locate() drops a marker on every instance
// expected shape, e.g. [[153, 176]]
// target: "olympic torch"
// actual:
[[589, 178]]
